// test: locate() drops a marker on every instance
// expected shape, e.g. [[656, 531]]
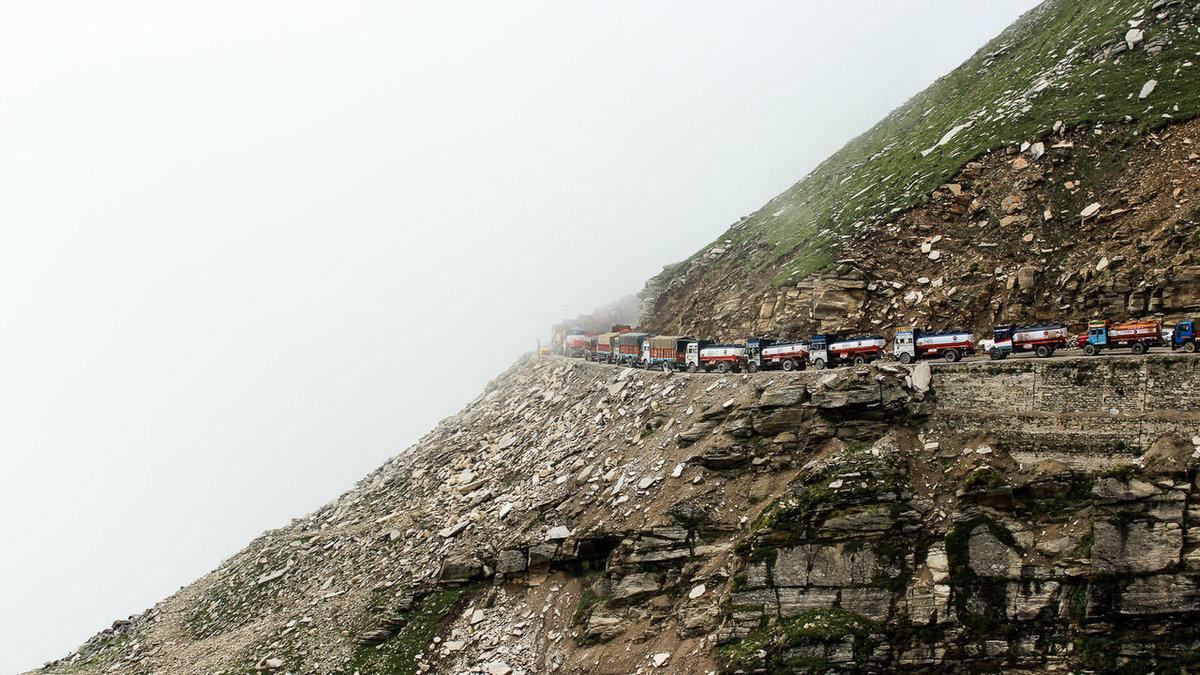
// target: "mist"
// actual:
[[248, 251]]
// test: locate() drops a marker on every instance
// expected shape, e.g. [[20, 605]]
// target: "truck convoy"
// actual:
[[1042, 339], [678, 352], [913, 343], [1137, 335]]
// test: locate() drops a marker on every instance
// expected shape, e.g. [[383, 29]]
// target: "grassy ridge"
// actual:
[[1049, 66]]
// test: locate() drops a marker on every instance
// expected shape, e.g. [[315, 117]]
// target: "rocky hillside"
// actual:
[[1051, 174], [1022, 516]]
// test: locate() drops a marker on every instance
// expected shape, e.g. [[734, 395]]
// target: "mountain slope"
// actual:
[[1064, 64], [1018, 516], [582, 518]]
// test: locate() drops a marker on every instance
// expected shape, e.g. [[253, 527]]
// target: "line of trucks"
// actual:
[[623, 346]]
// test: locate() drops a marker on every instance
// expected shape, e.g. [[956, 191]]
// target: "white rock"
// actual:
[[922, 280], [697, 592], [1195, 440], [728, 403], [1148, 88], [660, 659], [1090, 210], [1103, 264], [984, 450], [505, 510], [558, 533], [455, 645], [497, 668], [932, 445], [647, 482], [273, 663], [934, 255], [926, 247], [833, 485], [1133, 37], [477, 617], [921, 377], [1037, 150], [678, 470]]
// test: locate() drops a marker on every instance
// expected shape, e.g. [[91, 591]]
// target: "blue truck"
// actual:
[[1184, 337]]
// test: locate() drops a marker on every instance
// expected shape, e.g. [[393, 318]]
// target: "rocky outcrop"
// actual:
[[884, 518]]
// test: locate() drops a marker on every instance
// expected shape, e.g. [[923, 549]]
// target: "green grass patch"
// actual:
[[398, 656]]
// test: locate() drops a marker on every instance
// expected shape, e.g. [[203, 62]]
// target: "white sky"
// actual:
[[249, 250]]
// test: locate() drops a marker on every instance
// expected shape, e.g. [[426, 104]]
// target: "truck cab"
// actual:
[[904, 347], [754, 347], [1184, 337], [818, 350], [692, 354]]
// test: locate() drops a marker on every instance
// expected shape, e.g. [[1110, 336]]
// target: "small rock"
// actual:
[[697, 592], [273, 663], [678, 470], [1037, 150], [660, 659], [558, 533], [497, 668], [1133, 37], [1091, 210], [1103, 264], [477, 617], [1148, 88]]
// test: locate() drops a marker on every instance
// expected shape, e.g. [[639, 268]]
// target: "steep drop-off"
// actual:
[[1025, 515]]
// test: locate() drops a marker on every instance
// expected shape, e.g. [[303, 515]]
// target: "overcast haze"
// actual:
[[250, 250]]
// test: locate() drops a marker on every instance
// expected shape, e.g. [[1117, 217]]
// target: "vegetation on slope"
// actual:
[[1066, 60]]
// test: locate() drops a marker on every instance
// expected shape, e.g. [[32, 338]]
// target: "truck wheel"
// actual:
[[723, 367], [1090, 349], [1189, 347], [906, 358], [819, 364], [951, 355], [1139, 348], [790, 365], [692, 368], [666, 367], [860, 360], [752, 367], [1042, 351], [996, 354]]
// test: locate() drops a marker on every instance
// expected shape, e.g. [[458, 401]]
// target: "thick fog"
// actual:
[[249, 250]]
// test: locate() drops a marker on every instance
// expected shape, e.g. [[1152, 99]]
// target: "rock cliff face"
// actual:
[[1019, 516]]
